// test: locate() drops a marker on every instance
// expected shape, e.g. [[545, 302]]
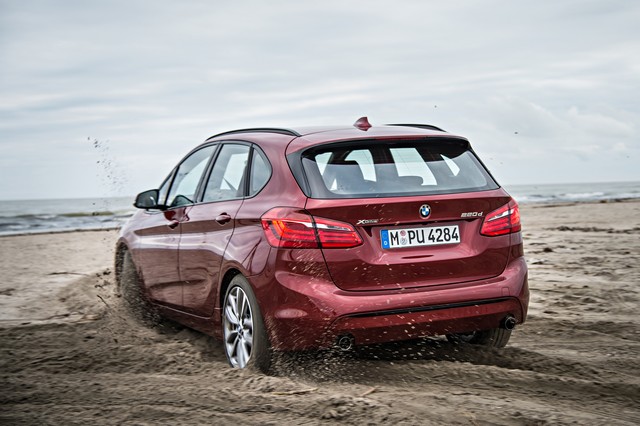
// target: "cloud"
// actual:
[[155, 80]]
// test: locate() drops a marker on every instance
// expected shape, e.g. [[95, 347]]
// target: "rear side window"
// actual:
[[260, 172], [399, 168], [227, 178]]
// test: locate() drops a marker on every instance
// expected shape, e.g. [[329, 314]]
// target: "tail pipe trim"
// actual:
[[345, 342], [509, 322]]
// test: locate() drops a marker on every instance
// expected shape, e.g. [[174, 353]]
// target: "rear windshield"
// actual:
[[399, 168]]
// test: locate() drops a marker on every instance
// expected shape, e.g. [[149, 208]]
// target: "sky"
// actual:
[[104, 98]]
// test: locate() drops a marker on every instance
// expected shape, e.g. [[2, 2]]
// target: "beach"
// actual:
[[70, 354]]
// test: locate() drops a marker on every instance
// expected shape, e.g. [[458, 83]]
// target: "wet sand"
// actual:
[[69, 353]]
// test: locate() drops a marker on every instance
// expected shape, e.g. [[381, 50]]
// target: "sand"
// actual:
[[69, 353]]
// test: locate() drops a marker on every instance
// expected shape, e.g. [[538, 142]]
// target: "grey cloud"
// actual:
[[154, 80]]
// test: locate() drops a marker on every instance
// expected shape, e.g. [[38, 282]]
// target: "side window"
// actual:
[[164, 189], [227, 179], [187, 177], [260, 172]]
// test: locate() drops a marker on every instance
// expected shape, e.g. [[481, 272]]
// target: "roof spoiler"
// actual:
[[419, 126]]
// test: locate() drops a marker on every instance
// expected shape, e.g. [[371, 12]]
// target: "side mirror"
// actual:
[[148, 200]]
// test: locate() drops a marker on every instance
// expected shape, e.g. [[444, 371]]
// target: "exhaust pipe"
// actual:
[[346, 342], [509, 322]]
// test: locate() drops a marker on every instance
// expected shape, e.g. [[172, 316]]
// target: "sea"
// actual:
[[59, 215]]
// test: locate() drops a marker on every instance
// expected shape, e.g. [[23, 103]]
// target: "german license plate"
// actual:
[[415, 237]]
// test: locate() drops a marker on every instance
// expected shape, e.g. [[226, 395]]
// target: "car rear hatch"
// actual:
[[394, 253], [418, 207]]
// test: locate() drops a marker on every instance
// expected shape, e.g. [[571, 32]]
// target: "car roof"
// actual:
[[297, 138]]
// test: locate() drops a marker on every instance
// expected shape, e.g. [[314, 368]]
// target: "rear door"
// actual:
[[418, 206], [209, 227]]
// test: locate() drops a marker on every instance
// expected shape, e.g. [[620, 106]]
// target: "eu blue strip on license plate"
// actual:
[[384, 237]]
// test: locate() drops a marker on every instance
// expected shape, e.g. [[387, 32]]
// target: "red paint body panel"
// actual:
[[203, 242], [155, 243]]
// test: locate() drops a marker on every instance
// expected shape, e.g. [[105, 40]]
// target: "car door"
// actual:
[[209, 227], [157, 251]]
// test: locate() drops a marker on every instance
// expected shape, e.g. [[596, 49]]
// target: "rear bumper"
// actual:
[[445, 319], [305, 312]]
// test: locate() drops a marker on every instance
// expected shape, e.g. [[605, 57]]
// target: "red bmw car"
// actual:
[[288, 239]]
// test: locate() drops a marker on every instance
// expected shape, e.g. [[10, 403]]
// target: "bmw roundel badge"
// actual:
[[425, 211]]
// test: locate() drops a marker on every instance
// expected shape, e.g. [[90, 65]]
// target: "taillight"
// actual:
[[334, 234], [287, 227], [504, 220]]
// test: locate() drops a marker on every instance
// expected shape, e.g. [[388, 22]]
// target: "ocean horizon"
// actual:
[[74, 214]]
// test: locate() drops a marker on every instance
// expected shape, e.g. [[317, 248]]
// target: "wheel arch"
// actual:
[[224, 284]]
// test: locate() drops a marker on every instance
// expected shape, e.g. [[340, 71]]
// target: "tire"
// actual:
[[493, 338], [133, 298], [245, 340]]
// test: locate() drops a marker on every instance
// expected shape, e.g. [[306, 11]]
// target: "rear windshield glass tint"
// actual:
[[370, 169]]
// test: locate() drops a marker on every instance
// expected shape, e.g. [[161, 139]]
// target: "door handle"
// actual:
[[173, 224], [223, 218]]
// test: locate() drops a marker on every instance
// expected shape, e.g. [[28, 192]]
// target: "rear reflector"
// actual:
[[502, 221], [288, 227]]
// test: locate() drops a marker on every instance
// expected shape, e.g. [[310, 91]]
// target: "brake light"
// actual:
[[288, 227], [504, 220], [334, 234]]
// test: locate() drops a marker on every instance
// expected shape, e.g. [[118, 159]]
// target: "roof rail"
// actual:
[[287, 132], [419, 126]]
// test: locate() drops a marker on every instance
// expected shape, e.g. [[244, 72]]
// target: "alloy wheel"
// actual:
[[238, 328]]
